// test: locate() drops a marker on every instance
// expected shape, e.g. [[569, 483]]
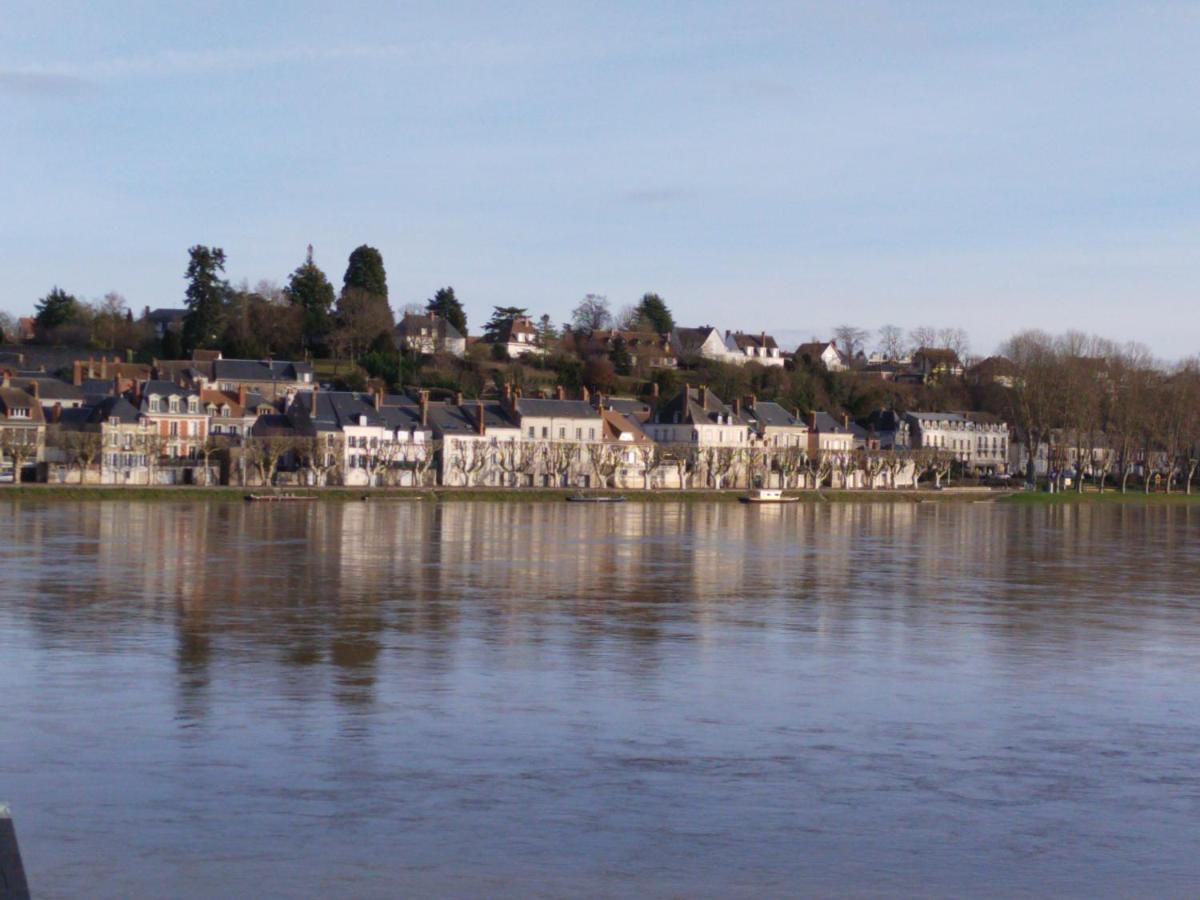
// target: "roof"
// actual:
[[691, 339], [815, 349], [166, 314], [15, 398], [629, 407], [440, 327], [709, 411], [261, 370], [337, 409], [454, 419], [559, 409], [617, 426], [938, 355], [773, 415], [937, 417], [993, 367], [51, 388], [827, 424], [744, 341], [275, 425]]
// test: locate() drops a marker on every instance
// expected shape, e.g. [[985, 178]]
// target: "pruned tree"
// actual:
[[18, 446], [818, 465], [559, 458], [604, 460], [789, 461], [652, 458], [266, 452], [79, 448]]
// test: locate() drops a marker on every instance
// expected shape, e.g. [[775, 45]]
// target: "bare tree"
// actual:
[[79, 448], [266, 452], [604, 460], [1035, 395], [850, 339], [560, 457], [923, 336], [652, 458], [955, 339], [788, 461], [891, 342], [818, 465]]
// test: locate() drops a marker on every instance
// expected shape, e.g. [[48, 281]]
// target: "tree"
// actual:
[[653, 315], [266, 451], [547, 334], [110, 322], [54, 311], [207, 294], [850, 340], [502, 318], [605, 459], [955, 339], [1034, 396], [309, 290], [365, 272], [620, 357], [891, 342], [922, 336], [592, 314], [8, 327], [652, 458], [363, 319], [447, 306], [79, 449]]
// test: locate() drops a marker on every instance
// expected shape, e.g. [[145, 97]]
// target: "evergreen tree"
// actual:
[[207, 294], [365, 272], [653, 314], [57, 308], [547, 333], [309, 289], [502, 317], [620, 357], [448, 307]]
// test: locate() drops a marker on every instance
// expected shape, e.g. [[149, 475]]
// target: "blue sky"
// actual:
[[784, 166]]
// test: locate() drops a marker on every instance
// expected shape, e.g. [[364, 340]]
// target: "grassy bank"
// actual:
[[1130, 498]]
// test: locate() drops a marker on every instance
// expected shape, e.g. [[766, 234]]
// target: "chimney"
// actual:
[[654, 390], [116, 385], [56, 413], [599, 401], [726, 332], [4, 379], [763, 340], [584, 395], [845, 420], [91, 367], [737, 406], [242, 396], [103, 368], [560, 392], [378, 396], [812, 420], [77, 374], [796, 413], [702, 394], [458, 398], [507, 393], [424, 403], [35, 390], [479, 426]]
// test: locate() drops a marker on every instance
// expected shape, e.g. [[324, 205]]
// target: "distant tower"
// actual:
[[309, 254]]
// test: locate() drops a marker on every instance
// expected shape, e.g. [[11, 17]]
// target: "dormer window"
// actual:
[[18, 412], [224, 412], [173, 405]]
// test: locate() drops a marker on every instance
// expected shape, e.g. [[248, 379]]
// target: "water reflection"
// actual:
[[638, 698]]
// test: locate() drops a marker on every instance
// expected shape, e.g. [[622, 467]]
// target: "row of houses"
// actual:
[[211, 420]]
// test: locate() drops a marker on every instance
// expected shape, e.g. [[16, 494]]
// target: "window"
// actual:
[[545, 432], [579, 434], [18, 413], [174, 429], [173, 405], [591, 434], [562, 433], [532, 432]]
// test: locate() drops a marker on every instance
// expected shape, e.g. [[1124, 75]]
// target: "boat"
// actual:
[[767, 495], [603, 498], [278, 498]]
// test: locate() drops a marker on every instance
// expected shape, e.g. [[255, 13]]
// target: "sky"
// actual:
[[781, 166]]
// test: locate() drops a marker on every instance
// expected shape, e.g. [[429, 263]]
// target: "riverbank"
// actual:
[[225, 494], [228, 494]]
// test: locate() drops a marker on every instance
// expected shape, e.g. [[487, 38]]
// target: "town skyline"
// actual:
[[990, 170]]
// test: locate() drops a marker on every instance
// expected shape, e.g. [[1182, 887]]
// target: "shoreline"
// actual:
[[232, 494]]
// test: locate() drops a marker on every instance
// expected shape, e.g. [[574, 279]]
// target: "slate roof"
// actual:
[[560, 409], [51, 388], [691, 339], [439, 328], [712, 409], [827, 424], [337, 409], [260, 370], [743, 341], [769, 413], [15, 398], [447, 418], [163, 389], [629, 407]]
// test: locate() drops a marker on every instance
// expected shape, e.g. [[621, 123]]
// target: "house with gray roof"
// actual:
[[430, 334]]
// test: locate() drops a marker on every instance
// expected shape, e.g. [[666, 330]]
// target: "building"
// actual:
[[520, 337], [178, 432], [430, 334], [164, 320], [993, 370], [825, 353], [936, 363], [704, 342], [645, 350], [759, 348], [977, 442], [773, 425], [22, 433]]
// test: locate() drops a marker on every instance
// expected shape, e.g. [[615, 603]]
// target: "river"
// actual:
[[506, 699]]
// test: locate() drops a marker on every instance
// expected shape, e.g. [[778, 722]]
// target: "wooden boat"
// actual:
[[603, 498], [278, 498], [766, 495]]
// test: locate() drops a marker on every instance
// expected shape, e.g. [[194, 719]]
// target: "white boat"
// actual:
[[766, 495]]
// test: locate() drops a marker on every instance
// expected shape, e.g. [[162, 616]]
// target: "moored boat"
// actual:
[[602, 498], [767, 495], [278, 498]]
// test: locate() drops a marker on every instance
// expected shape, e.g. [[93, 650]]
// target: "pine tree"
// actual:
[[207, 294], [309, 289], [365, 272], [448, 307]]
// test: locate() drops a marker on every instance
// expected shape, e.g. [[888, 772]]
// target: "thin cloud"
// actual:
[[660, 196], [39, 84], [185, 62]]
